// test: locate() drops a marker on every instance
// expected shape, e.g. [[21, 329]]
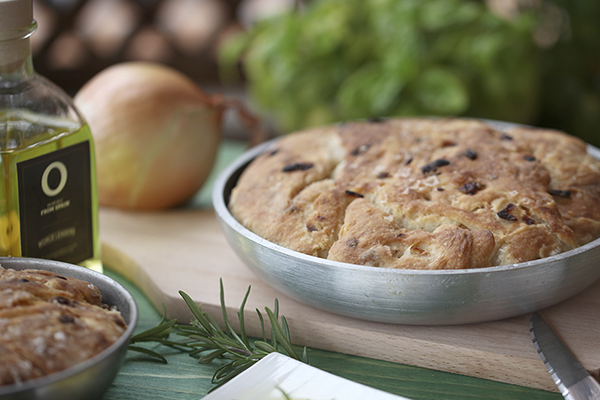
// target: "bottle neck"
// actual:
[[15, 53], [15, 59]]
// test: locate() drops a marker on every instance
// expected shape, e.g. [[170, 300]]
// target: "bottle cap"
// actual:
[[15, 14]]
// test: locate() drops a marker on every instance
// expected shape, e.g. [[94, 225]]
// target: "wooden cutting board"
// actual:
[[164, 252]]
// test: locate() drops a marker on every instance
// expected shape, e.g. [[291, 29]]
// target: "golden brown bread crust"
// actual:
[[49, 323], [423, 194]]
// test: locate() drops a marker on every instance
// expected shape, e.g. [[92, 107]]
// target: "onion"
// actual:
[[156, 134]]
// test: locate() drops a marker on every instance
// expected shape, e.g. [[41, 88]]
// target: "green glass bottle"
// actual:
[[48, 198]]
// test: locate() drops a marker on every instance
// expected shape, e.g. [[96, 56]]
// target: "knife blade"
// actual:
[[573, 381]]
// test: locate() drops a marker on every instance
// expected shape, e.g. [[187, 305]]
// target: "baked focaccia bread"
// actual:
[[49, 323], [422, 193]]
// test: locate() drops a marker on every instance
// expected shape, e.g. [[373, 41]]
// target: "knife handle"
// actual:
[[585, 389]]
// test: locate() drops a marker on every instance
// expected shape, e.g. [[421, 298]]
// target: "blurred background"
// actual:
[[304, 63]]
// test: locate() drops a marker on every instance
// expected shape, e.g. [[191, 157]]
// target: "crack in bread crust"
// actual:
[[423, 194]]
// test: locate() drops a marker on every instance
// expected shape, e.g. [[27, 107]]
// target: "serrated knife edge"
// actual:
[[573, 381]]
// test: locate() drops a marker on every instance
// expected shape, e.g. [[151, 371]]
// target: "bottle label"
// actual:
[[55, 205]]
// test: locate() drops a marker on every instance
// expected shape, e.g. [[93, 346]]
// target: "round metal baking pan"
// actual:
[[418, 297], [89, 379]]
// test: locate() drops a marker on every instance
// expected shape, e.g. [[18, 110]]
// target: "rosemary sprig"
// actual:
[[206, 340], [158, 334]]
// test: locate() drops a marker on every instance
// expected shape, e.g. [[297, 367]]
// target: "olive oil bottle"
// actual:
[[48, 199]]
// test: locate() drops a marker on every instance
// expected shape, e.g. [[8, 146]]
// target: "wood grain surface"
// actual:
[[183, 378], [165, 252]]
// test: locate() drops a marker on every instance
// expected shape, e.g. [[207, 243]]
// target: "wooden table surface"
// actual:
[[183, 378]]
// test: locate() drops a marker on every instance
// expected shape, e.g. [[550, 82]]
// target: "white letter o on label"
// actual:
[[63, 178]]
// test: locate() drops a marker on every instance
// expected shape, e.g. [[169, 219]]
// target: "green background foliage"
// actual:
[[337, 60]]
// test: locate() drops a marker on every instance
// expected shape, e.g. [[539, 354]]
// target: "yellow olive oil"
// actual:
[[48, 198]]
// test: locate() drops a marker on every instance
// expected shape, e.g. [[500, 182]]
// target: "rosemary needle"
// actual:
[[206, 340], [158, 334]]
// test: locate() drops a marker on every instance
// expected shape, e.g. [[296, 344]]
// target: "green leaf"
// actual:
[[265, 347], [215, 329], [285, 328], [228, 328], [280, 335], [148, 352], [442, 92], [223, 378], [305, 355], [211, 356], [368, 92], [262, 324], [196, 311], [442, 14], [203, 339], [274, 316], [162, 329], [241, 319]]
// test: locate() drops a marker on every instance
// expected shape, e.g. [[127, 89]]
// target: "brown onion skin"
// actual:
[[156, 135]]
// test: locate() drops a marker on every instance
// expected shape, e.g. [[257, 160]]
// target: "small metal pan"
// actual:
[[419, 297], [89, 379]]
